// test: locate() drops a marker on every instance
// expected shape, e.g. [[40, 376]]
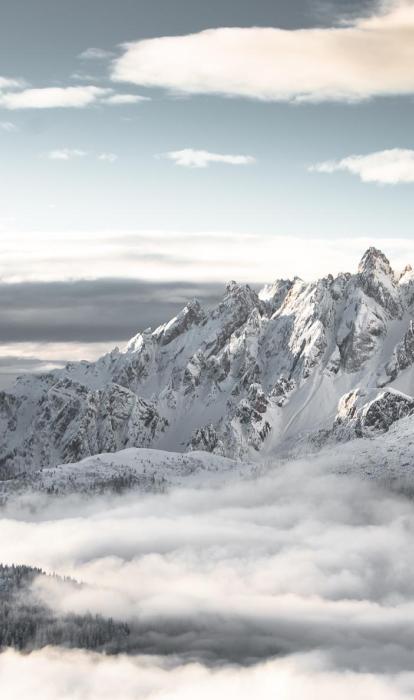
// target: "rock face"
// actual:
[[361, 414], [243, 378]]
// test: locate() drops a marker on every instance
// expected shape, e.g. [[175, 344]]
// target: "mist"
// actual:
[[270, 574]]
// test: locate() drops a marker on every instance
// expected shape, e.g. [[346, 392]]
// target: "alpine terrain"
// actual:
[[298, 365]]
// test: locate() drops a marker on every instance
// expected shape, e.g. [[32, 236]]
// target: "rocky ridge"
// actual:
[[242, 380]]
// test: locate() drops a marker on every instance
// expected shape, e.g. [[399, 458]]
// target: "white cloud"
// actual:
[[366, 58], [84, 77], [63, 673], [73, 96], [66, 154], [10, 83], [125, 99], [230, 572], [192, 158], [108, 157], [389, 167], [8, 126], [72, 153], [49, 97], [95, 54]]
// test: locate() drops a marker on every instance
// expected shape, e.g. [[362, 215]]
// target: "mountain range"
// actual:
[[296, 364]]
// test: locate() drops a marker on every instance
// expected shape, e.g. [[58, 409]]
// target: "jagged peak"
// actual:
[[235, 288], [239, 294], [405, 274], [374, 260], [191, 314]]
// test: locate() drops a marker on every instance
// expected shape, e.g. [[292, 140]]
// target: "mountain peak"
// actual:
[[377, 279], [374, 260]]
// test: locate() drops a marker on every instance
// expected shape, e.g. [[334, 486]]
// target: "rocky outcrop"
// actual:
[[403, 355], [363, 415]]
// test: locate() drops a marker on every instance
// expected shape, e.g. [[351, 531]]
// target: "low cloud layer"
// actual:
[[297, 562], [365, 58], [198, 257], [72, 675], [389, 167], [192, 158]]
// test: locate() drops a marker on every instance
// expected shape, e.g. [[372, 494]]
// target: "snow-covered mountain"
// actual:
[[321, 361]]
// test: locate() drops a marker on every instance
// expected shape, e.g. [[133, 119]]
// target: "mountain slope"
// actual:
[[244, 379]]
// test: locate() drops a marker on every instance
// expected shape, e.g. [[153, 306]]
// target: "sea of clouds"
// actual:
[[297, 584]]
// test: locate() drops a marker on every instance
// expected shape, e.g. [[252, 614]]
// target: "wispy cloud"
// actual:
[[389, 167], [108, 157], [73, 153], [48, 97], [95, 54], [192, 158], [366, 58], [125, 99], [10, 83], [66, 154], [60, 97], [88, 77], [8, 126]]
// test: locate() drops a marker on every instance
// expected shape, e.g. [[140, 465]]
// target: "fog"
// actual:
[[72, 675], [300, 582]]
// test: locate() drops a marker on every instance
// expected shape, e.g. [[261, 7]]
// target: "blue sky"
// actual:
[[276, 195], [294, 105]]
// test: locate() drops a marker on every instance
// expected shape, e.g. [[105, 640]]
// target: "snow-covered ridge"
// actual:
[[243, 380]]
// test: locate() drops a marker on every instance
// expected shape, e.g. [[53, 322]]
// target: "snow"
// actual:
[[220, 373]]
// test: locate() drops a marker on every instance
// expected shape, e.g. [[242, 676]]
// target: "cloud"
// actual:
[[389, 167], [125, 99], [95, 54], [88, 77], [108, 157], [66, 154], [8, 126], [237, 573], [10, 83], [368, 57], [52, 97], [197, 257], [61, 97], [191, 158], [53, 673]]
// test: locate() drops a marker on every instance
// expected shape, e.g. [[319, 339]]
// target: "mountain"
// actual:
[[298, 362]]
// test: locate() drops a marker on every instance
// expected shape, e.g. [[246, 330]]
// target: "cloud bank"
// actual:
[[192, 158], [73, 675], [202, 256], [301, 564], [389, 167], [367, 58]]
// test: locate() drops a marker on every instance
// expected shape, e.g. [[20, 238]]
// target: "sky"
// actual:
[[154, 148]]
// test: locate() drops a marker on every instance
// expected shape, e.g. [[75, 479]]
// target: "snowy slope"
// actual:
[[134, 468], [332, 357]]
